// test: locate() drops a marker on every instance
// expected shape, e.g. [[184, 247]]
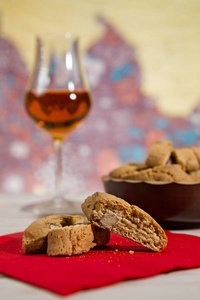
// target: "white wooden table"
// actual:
[[176, 285]]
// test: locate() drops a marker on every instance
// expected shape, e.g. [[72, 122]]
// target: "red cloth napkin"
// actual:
[[99, 267]]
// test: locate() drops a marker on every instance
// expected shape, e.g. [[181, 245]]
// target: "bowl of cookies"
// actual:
[[166, 185]]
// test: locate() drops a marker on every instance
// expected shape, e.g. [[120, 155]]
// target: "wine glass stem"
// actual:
[[58, 154]]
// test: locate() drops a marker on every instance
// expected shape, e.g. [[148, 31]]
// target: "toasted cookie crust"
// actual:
[[115, 214]]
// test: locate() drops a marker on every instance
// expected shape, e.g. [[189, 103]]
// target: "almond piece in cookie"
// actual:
[[186, 158], [159, 153], [110, 212], [35, 235], [70, 240]]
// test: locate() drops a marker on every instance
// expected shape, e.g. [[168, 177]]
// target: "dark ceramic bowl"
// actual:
[[173, 205]]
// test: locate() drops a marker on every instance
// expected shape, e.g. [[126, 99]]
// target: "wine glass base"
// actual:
[[55, 206]]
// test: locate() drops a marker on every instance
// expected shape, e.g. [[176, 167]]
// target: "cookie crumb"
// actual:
[[131, 251]]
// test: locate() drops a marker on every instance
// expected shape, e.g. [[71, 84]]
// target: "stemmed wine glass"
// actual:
[[57, 100]]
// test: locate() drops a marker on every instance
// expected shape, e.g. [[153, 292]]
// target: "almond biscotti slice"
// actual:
[[129, 221], [70, 240], [196, 151], [167, 173], [127, 170], [187, 158], [195, 175], [159, 153], [35, 235]]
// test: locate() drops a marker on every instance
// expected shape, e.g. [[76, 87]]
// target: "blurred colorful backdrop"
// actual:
[[141, 60]]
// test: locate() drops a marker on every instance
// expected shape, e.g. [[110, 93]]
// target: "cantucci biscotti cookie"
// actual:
[[187, 158], [159, 153], [195, 176], [76, 239], [35, 235], [196, 151], [167, 173], [70, 240], [125, 171], [129, 221]]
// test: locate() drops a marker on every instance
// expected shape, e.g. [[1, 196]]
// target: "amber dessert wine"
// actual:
[[58, 111], [58, 100]]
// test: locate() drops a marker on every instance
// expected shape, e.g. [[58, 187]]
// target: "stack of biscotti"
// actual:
[[59, 235], [65, 235], [163, 163]]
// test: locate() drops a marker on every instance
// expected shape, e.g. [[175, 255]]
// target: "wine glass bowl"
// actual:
[[57, 100], [57, 96]]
